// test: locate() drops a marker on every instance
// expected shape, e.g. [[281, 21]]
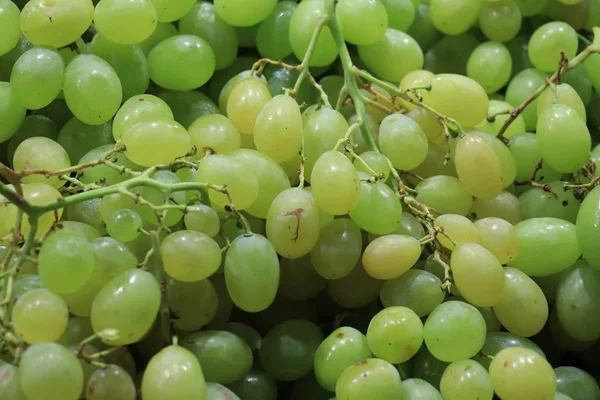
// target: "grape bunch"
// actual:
[[323, 199]]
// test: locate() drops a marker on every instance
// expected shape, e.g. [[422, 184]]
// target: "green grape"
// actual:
[[169, 10], [125, 22], [576, 383], [12, 113], [9, 20], [332, 86], [37, 194], [344, 347], [182, 62], [530, 8], [299, 280], [80, 302], [335, 183], [523, 310], [587, 228], [376, 161], [272, 37], [478, 167], [194, 303], [418, 290], [500, 20], [214, 132], [245, 103], [561, 94], [108, 175], [252, 272], [142, 108], [309, 388], [203, 219], [33, 125], [217, 391], [24, 283], [395, 334], [49, 371], [190, 256], [507, 162], [357, 137], [112, 382], [490, 65], [65, 262], [401, 14], [454, 18], [86, 230], [519, 373], [547, 246], [10, 387], [454, 331], [591, 67], [355, 290], [37, 77], [87, 212], [284, 310], [520, 88], [111, 258], [576, 297], [369, 379], [428, 368], [392, 56], [363, 23], [578, 79], [477, 274], [124, 225], [278, 128], [163, 31], [78, 138], [247, 333], [7, 60], [536, 202], [390, 256], [224, 91], [302, 25], [498, 341], [418, 389], [379, 211], [403, 141], [446, 194], [235, 12], [469, 109], [322, 130], [466, 379], [40, 316], [547, 43], [436, 163], [338, 249], [225, 305], [156, 141], [160, 197], [188, 106], [56, 23], [279, 78], [128, 61], [409, 226], [114, 202], [525, 151], [256, 385], [127, 303], [173, 373], [499, 237], [41, 153], [450, 54], [457, 229], [561, 339], [86, 78]]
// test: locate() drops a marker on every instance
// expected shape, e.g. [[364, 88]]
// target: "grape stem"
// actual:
[[301, 170], [447, 283]]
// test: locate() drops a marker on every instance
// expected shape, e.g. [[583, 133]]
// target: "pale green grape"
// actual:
[[156, 141], [10, 387], [163, 31], [454, 17], [224, 91], [526, 153], [454, 331], [519, 374], [478, 167], [477, 274], [10, 31], [466, 379], [236, 12], [128, 303], [40, 316], [252, 272], [194, 303], [41, 153], [125, 21], [530, 8], [114, 202], [362, 22], [322, 130], [536, 202], [446, 194], [56, 23], [379, 210], [302, 25], [25, 283], [500, 20], [490, 65], [203, 219], [395, 334], [278, 128], [520, 88], [338, 249], [87, 212], [12, 112], [272, 37], [457, 229], [548, 41], [112, 382], [498, 341], [392, 56], [49, 371], [390, 256], [37, 194], [507, 162], [108, 175], [159, 197], [172, 10], [256, 385], [576, 383], [298, 279], [173, 373], [578, 79], [190, 256], [245, 102], [216, 133], [561, 94], [377, 161], [78, 138], [449, 54], [402, 14], [355, 290], [403, 141], [124, 225], [92, 89], [418, 290], [271, 178], [335, 183], [499, 237], [587, 228], [373, 124], [418, 389], [409, 226], [112, 258], [344, 347], [216, 391], [37, 77], [372, 378]]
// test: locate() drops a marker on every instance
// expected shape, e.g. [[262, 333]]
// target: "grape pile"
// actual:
[[313, 200]]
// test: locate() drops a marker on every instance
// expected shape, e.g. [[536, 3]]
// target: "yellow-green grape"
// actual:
[[412, 80], [500, 20], [322, 130], [395, 334], [190, 256], [108, 175], [372, 378], [124, 225], [10, 31], [379, 210], [547, 43], [293, 223], [194, 303], [500, 237], [376, 161], [10, 388], [490, 65], [338, 249], [299, 280], [173, 373], [523, 310], [362, 22], [457, 229], [278, 128], [56, 23], [586, 227], [125, 21], [272, 36], [335, 183], [506, 206], [172, 10], [355, 290], [271, 178], [40, 316], [245, 102], [496, 106], [302, 25], [507, 162], [141, 108], [112, 382], [216, 133], [235, 13], [43, 154], [409, 226], [160, 197], [520, 374], [403, 141], [33, 125], [466, 379], [156, 142], [454, 17], [561, 94], [241, 183], [390, 256], [435, 163], [446, 194], [478, 274], [225, 91], [521, 86], [478, 167], [202, 218]]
